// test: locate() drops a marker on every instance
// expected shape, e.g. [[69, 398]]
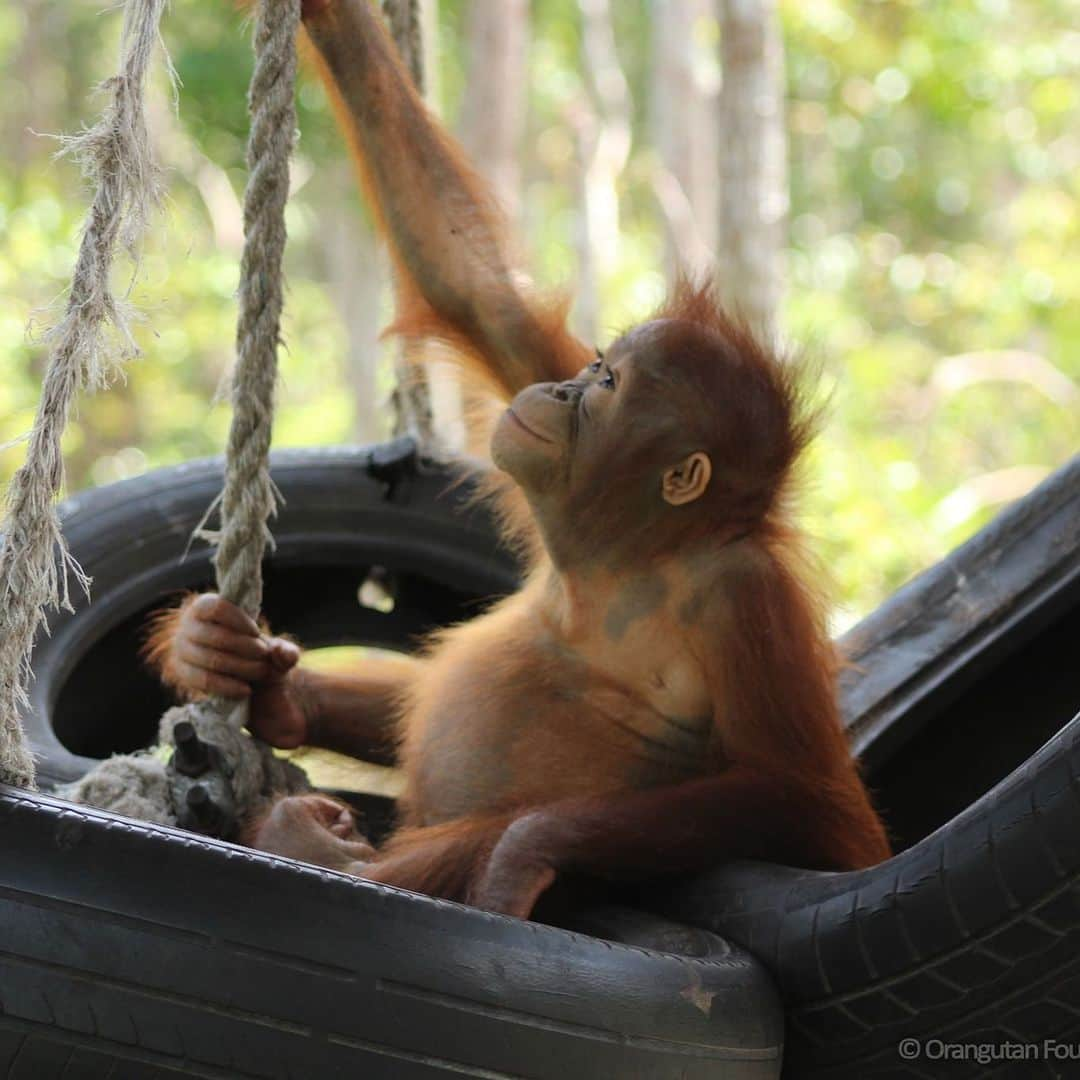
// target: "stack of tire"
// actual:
[[150, 952]]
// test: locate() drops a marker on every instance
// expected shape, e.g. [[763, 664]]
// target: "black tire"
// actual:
[[344, 511], [136, 951], [960, 621], [971, 936]]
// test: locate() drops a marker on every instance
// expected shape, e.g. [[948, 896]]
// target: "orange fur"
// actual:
[[440, 860], [156, 651], [503, 335], [661, 695]]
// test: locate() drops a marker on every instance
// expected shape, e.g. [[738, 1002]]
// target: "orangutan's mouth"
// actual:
[[525, 427]]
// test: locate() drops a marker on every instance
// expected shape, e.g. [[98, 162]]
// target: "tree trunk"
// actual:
[[602, 125], [753, 155], [492, 128], [356, 286], [493, 109], [685, 90]]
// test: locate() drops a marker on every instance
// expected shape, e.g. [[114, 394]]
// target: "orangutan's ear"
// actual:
[[687, 481]]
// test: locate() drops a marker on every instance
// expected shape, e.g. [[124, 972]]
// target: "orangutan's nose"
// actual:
[[566, 391]]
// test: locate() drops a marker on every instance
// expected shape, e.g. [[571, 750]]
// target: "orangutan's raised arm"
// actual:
[[456, 280]]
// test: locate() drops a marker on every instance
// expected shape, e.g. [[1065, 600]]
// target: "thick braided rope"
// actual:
[[248, 499], [34, 560]]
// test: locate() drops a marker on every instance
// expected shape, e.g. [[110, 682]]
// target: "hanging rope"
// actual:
[[34, 560], [116, 154], [249, 499], [137, 784], [411, 399]]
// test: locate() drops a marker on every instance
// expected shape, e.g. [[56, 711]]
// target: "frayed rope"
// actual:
[[87, 348]]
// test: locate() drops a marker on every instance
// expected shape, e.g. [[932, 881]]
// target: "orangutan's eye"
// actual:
[[608, 381], [598, 363]]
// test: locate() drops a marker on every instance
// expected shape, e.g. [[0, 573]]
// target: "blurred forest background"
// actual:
[[922, 239]]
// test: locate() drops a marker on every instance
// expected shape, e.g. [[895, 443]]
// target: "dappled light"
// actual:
[[934, 167]]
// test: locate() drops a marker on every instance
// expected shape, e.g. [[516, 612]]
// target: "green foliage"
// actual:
[[936, 212], [935, 170]]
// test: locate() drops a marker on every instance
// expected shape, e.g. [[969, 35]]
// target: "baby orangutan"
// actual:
[[659, 696]]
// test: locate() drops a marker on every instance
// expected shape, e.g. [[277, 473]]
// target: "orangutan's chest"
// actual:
[[485, 727]]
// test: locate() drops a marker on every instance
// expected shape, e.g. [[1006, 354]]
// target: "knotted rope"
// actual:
[[34, 560], [136, 784]]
